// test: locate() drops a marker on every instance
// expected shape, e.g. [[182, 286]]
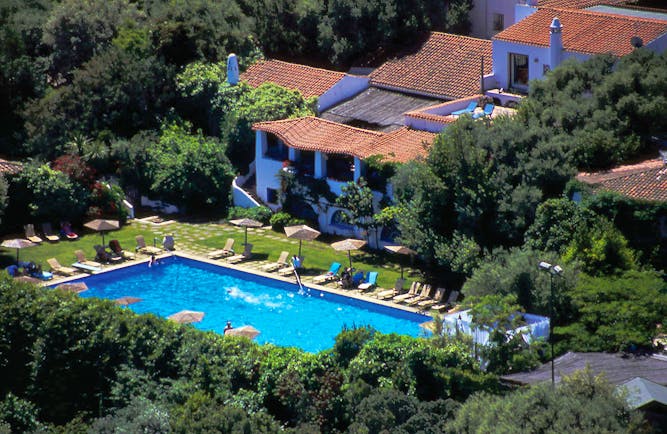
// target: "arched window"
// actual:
[[338, 219]]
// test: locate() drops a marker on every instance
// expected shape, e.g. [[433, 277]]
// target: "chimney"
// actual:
[[555, 43], [232, 70]]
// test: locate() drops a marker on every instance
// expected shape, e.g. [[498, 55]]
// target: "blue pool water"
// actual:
[[285, 315]]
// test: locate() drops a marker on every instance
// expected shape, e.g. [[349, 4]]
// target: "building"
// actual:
[[540, 42], [312, 148]]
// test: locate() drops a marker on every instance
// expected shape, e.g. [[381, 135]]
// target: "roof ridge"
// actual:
[[459, 36], [608, 15], [303, 66], [317, 119]]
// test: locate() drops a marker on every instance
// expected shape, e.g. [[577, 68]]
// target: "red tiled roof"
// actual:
[[646, 180], [306, 79], [10, 167], [446, 66], [584, 31], [316, 134], [580, 4]]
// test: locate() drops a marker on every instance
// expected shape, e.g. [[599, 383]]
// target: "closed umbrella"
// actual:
[[125, 301], [187, 316], [17, 243], [102, 225], [301, 232], [246, 223], [401, 250], [248, 331], [348, 244]]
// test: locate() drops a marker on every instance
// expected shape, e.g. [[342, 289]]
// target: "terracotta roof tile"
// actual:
[[306, 79], [584, 31], [580, 4], [646, 180], [10, 167], [446, 66], [316, 134]]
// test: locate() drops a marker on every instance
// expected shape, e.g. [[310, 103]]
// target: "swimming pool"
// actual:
[[284, 314]]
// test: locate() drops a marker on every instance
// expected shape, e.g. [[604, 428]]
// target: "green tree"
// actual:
[[357, 199], [190, 169], [580, 404], [613, 313], [51, 195]]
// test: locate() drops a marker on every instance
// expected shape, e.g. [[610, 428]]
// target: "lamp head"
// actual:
[[557, 269], [545, 266]]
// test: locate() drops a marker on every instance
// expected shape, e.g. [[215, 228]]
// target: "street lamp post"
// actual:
[[553, 270]]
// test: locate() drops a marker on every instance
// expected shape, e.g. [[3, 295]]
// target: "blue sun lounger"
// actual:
[[471, 108], [370, 282], [488, 111]]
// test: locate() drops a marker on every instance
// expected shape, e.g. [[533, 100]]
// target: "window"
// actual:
[[275, 149], [498, 22], [271, 195], [518, 70]]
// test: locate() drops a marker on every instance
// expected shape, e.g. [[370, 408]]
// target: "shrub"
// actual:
[[281, 219], [260, 213]]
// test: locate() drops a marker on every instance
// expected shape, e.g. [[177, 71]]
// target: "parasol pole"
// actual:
[[300, 241], [349, 255]]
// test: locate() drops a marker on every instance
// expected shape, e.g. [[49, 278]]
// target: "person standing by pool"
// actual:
[[152, 262]]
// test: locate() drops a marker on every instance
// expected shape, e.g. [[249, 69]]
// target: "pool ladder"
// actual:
[[298, 279]]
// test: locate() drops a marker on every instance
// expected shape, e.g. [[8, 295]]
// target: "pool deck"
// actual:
[[354, 294]]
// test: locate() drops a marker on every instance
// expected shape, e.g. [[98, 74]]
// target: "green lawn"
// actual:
[[199, 238]]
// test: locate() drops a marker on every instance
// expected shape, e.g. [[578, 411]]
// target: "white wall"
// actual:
[[266, 169], [345, 88], [481, 16], [537, 58]]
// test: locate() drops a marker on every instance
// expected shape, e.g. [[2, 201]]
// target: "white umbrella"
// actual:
[[186, 316], [348, 244], [401, 250], [301, 232], [17, 243], [247, 330], [102, 225], [246, 223]]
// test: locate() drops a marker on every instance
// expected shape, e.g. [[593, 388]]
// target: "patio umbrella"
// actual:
[[401, 250], [187, 316], [247, 330], [125, 301], [246, 223], [301, 232], [73, 287], [102, 225], [28, 279], [17, 243], [348, 244]]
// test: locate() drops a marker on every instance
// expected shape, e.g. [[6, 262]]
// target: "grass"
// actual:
[[200, 238]]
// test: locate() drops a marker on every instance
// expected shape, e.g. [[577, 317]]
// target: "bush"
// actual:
[[260, 213], [281, 219]]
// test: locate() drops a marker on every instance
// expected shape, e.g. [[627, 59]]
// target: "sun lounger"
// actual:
[[290, 268], [390, 293], [357, 278], [67, 232], [59, 269], [247, 254], [425, 294], [86, 267], [453, 296], [49, 234], [471, 108], [30, 234], [330, 275], [437, 298], [488, 111], [115, 247], [414, 288], [143, 248], [370, 282], [281, 262], [81, 259], [225, 251]]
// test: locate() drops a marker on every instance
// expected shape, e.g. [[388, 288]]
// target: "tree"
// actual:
[[613, 313], [77, 30], [51, 194], [556, 222], [582, 403], [190, 169], [357, 199]]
